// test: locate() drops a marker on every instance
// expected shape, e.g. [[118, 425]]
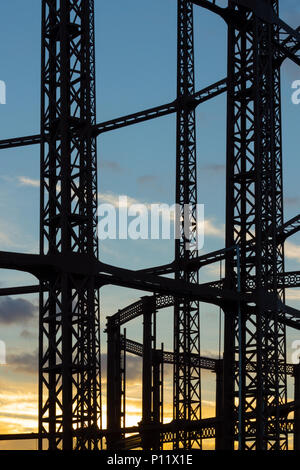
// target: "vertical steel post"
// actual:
[[219, 402], [113, 384], [157, 395], [149, 343], [123, 381], [297, 410], [147, 363]]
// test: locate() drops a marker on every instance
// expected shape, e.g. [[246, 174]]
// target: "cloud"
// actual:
[[133, 368], [292, 294], [213, 270], [25, 181], [111, 166], [292, 201], [16, 311], [5, 240], [24, 362], [122, 200], [292, 251], [18, 410], [210, 228], [146, 179], [117, 201], [27, 334], [114, 199], [15, 239], [214, 168]]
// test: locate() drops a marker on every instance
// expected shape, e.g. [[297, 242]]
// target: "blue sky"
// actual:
[[136, 69]]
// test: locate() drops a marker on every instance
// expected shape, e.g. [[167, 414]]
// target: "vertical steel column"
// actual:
[[69, 357], [228, 424], [187, 382], [254, 213], [157, 394], [123, 382], [149, 344], [297, 410], [147, 360], [219, 401], [114, 401], [156, 389]]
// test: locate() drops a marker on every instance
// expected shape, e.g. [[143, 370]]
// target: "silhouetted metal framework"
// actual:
[[187, 380], [251, 378], [69, 311], [254, 211]]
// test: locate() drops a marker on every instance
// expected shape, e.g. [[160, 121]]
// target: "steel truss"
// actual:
[[254, 211], [251, 396], [69, 360], [187, 378]]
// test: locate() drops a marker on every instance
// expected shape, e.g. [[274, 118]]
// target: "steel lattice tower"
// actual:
[[69, 311], [187, 382], [254, 211]]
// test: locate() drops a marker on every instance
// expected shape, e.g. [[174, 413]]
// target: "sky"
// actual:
[[136, 69]]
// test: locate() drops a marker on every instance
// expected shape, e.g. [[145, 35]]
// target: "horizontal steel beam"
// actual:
[[159, 270], [289, 46], [193, 264], [161, 285], [289, 53], [135, 118], [205, 428], [289, 279], [20, 141], [286, 280], [199, 97], [289, 43], [208, 423], [19, 437], [4, 291], [152, 113], [167, 357], [42, 266], [207, 363], [289, 228], [212, 6]]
